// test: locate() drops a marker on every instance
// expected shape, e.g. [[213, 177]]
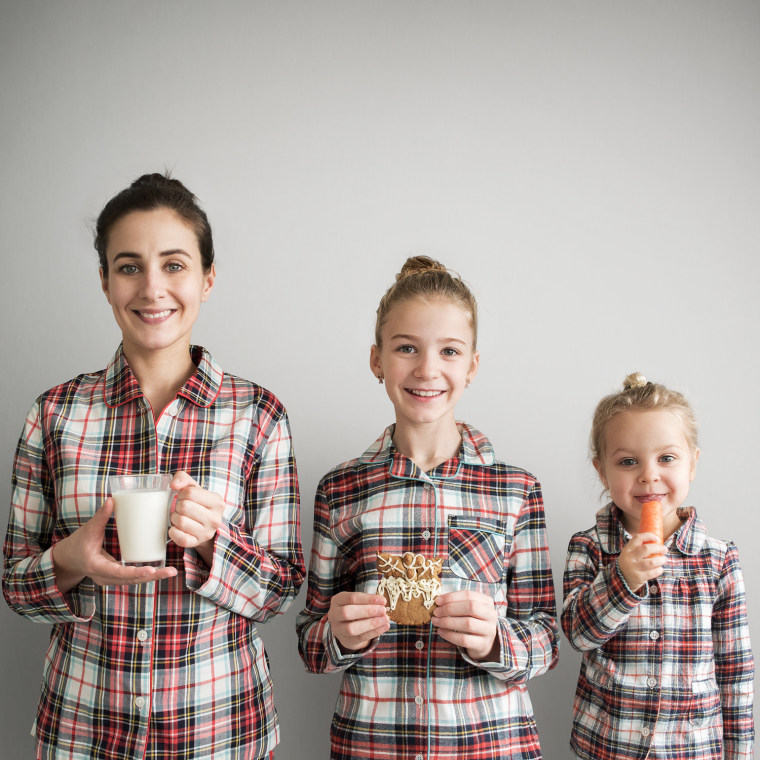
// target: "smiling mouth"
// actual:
[[424, 394], [155, 315]]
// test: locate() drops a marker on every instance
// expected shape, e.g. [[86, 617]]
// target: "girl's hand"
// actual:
[[641, 562], [468, 619], [356, 619], [196, 517], [81, 555]]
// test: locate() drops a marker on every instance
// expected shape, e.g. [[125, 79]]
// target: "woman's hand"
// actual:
[[641, 562], [468, 619], [81, 555], [196, 517], [356, 619]]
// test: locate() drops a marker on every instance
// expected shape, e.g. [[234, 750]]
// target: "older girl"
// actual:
[[430, 486], [155, 662]]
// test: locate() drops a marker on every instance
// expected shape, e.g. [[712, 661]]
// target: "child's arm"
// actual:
[[597, 599], [734, 665], [329, 600], [526, 643]]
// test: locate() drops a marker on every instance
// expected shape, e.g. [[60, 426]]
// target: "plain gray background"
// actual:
[[591, 169]]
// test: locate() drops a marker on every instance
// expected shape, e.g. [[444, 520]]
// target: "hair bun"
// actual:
[[419, 264], [634, 380]]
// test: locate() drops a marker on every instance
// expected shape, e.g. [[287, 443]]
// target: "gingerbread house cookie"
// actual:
[[410, 583]]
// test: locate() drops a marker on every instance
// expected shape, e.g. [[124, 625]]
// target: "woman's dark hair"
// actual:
[[147, 193]]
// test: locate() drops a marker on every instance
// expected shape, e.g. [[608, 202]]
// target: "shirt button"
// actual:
[[654, 635], [654, 590], [419, 700], [645, 731], [419, 757], [426, 534], [428, 486], [142, 635], [419, 644], [139, 702], [651, 681]]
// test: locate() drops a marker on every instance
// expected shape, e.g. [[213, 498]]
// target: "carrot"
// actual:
[[651, 520]]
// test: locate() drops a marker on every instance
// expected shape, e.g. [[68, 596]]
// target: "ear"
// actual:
[[208, 282], [104, 284], [599, 470], [474, 365], [693, 470], [375, 364]]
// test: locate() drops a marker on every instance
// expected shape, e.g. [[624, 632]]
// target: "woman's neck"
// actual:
[[160, 374], [427, 445]]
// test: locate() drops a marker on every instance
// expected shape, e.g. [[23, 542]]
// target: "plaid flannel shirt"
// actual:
[[175, 668], [412, 694], [667, 670]]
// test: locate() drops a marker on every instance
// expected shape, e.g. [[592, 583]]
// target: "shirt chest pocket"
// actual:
[[477, 548]]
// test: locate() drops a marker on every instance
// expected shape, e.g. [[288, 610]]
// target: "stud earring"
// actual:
[[380, 379], [467, 382]]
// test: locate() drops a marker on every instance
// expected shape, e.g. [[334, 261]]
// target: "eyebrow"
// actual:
[[132, 255], [403, 336], [622, 450]]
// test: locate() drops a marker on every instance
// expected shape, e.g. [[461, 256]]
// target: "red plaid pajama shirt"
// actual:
[[175, 668], [667, 670], [412, 694]]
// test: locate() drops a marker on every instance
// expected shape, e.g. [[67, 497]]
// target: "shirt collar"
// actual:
[[476, 449], [201, 388], [689, 538]]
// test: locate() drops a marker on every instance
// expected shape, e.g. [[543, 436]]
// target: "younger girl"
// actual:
[[455, 687], [667, 667]]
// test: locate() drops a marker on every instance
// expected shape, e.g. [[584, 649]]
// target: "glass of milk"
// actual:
[[141, 509]]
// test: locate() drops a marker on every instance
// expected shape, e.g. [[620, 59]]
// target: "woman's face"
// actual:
[[155, 282]]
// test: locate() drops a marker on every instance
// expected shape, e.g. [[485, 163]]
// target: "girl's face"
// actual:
[[155, 282], [426, 357], [647, 457]]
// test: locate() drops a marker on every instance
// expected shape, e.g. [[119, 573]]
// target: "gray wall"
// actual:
[[591, 168]]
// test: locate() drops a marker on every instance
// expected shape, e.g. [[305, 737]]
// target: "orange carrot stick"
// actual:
[[651, 520]]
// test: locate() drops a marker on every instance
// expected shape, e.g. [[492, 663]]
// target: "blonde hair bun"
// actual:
[[634, 380], [423, 277], [419, 264]]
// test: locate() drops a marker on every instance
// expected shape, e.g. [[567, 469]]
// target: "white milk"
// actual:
[[142, 518]]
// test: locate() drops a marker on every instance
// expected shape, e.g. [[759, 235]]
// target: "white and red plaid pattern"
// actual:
[[666, 672], [413, 694], [176, 668]]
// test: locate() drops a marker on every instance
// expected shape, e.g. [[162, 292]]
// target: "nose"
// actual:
[[649, 473], [152, 286], [427, 365]]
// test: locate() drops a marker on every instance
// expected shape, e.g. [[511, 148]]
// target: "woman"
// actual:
[[144, 661]]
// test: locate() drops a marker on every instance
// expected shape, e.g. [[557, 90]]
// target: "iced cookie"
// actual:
[[410, 583]]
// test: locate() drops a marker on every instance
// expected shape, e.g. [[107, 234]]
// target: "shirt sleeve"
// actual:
[[28, 574], [734, 664], [597, 600], [258, 564], [528, 636], [317, 645]]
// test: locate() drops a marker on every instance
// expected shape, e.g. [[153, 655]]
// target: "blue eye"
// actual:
[[406, 349], [628, 462], [174, 266], [450, 352], [128, 269], [667, 458]]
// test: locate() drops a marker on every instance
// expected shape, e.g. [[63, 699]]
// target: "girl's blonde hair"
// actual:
[[638, 394], [423, 277]]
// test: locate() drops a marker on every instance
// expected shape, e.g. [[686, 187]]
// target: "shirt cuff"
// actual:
[[75, 606], [339, 659]]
